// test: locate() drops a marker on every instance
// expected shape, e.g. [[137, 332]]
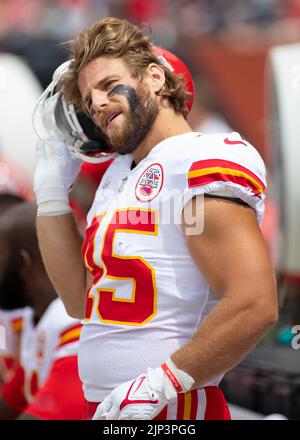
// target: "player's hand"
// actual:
[[55, 173], [144, 397], [131, 400]]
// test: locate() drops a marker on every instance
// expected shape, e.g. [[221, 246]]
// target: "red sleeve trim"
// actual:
[[72, 334], [17, 324], [215, 170]]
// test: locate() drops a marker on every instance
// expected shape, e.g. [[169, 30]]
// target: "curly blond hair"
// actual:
[[112, 37]]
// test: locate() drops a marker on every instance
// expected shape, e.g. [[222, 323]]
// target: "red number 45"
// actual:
[[111, 308]]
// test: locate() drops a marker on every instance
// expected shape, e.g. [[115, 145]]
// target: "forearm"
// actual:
[[226, 336], [60, 245]]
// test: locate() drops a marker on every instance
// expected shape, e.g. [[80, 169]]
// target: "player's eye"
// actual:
[[109, 84]]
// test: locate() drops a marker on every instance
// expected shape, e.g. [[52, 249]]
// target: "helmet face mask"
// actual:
[[54, 119]]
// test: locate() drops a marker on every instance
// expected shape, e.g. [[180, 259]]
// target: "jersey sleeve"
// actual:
[[68, 341], [65, 330], [61, 397], [13, 391], [227, 166]]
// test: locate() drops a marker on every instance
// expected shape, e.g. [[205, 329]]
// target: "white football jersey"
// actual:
[[13, 322], [148, 296], [56, 335]]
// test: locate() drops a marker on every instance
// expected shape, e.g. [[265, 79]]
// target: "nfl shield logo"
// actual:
[[150, 183]]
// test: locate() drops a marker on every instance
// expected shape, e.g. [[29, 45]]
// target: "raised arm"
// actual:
[[60, 245], [59, 239]]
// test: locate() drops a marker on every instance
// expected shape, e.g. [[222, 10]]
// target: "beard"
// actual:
[[143, 111], [12, 288]]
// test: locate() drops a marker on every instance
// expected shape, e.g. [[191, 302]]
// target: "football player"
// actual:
[[180, 286], [45, 384], [13, 189]]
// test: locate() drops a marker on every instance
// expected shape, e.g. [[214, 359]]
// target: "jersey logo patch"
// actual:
[[150, 183]]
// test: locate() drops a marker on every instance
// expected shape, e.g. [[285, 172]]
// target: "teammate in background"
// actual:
[[45, 385], [13, 190], [12, 319], [170, 307]]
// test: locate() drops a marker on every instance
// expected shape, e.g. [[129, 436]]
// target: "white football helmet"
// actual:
[[54, 119]]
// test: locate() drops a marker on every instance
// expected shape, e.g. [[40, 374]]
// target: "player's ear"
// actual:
[[25, 261], [155, 77]]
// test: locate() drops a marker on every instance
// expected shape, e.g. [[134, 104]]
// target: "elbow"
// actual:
[[75, 306], [261, 310], [271, 317], [264, 304], [74, 312], [267, 313]]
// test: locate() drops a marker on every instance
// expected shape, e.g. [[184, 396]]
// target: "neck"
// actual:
[[167, 124]]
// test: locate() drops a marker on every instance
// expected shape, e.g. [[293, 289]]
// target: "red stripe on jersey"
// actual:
[[70, 335], [222, 177], [194, 405], [211, 170], [77, 326], [180, 406]]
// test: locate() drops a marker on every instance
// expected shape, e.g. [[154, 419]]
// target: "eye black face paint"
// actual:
[[129, 92], [138, 118]]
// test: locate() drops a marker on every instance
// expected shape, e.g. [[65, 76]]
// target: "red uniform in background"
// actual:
[[46, 383]]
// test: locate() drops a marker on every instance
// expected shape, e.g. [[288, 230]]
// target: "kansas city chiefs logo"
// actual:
[[150, 183]]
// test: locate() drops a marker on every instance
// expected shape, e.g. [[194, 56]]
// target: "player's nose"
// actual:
[[99, 100]]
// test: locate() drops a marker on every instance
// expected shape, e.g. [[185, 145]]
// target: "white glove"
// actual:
[[55, 173], [144, 397]]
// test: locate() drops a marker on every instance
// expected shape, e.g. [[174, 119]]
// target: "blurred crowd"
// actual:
[[35, 28], [62, 17]]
